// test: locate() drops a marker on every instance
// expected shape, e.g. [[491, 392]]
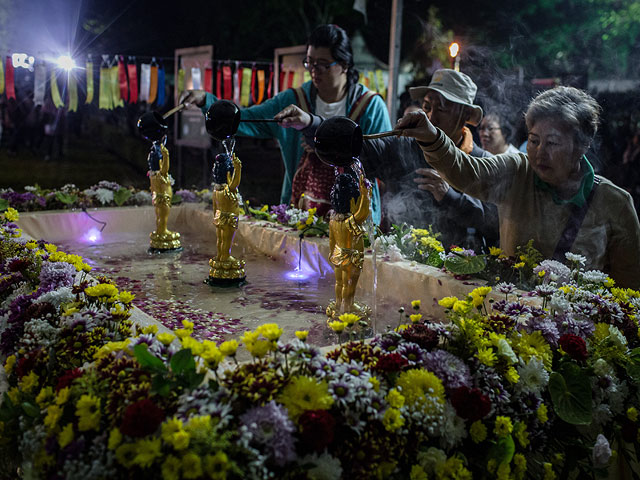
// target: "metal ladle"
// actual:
[[223, 119]]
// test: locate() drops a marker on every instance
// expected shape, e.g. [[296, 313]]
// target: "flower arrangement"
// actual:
[[305, 221], [505, 389], [103, 194], [416, 244]]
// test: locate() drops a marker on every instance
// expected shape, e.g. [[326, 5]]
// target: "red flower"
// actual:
[[317, 429], [392, 362], [68, 377], [141, 418], [470, 403], [422, 335], [575, 346]]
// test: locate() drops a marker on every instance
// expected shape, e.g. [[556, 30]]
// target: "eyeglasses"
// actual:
[[488, 129], [320, 67]]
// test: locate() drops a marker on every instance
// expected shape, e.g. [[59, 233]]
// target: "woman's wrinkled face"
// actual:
[[325, 71], [552, 150], [491, 136]]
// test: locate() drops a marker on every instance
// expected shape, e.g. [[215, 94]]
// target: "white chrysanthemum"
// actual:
[[326, 467], [39, 332], [533, 376], [30, 188], [454, 430], [143, 197], [601, 415], [430, 459], [601, 368], [104, 195], [576, 258], [594, 276], [505, 350], [57, 297], [601, 453], [22, 289], [559, 303], [617, 337]]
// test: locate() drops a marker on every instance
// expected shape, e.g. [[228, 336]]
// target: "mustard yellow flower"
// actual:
[[337, 326], [632, 414], [447, 302], [147, 450], [392, 419], [171, 468], [229, 348], [165, 338], [503, 426], [63, 395], [115, 438], [28, 382], [415, 304], [415, 318], [9, 364], [305, 393], [349, 318], [302, 335], [478, 431], [395, 398], [65, 437]]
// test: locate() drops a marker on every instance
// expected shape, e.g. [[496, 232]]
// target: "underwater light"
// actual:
[[93, 235], [297, 275]]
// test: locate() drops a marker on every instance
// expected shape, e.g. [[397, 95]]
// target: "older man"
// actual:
[[426, 199]]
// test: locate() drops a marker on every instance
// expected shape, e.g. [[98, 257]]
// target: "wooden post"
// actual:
[[395, 37]]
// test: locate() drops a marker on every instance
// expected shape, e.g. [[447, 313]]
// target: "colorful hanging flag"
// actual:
[[115, 88], [281, 84], [260, 86], [180, 82], [218, 81], [208, 80], [145, 81], [104, 97], [253, 84], [122, 80], [372, 81], [132, 73], [73, 92], [196, 78], [246, 87], [270, 82], [297, 78], [306, 76], [227, 74], [153, 85], [11, 89], [236, 84], [39, 83], [290, 78], [1, 77], [89, 70], [55, 92]]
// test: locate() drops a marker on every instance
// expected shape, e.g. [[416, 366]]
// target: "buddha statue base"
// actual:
[[160, 242], [359, 309], [225, 273]]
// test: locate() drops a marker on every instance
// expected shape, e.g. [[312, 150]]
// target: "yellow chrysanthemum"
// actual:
[[453, 468], [115, 438], [519, 265], [188, 325], [125, 454], [211, 353], [376, 384], [527, 345], [415, 304], [54, 412], [395, 398], [520, 463], [88, 412], [165, 338], [462, 307], [65, 437], [305, 393], [418, 385], [217, 465], [418, 473], [541, 413], [180, 440], [46, 394], [171, 468], [147, 450], [503, 426], [270, 331], [194, 345], [127, 297], [102, 290], [9, 364], [199, 426], [415, 318], [51, 248], [478, 431], [512, 375], [182, 333], [495, 251], [447, 302], [63, 396], [549, 474], [486, 356], [632, 414], [229, 348], [349, 318], [191, 465], [337, 326], [302, 334], [392, 419], [28, 382]]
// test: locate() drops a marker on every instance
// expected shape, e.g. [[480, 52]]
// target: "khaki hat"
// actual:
[[456, 87]]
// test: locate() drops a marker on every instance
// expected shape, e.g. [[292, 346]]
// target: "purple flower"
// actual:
[[271, 427], [280, 211], [567, 324], [489, 382], [414, 354], [506, 288], [554, 271], [387, 343], [187, 196], [515, 309], [546, 326], [450, 369], [55, 275]]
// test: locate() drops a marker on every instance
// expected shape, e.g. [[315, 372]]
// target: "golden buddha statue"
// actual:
[[161, 195], [350, 201], [225, 269]]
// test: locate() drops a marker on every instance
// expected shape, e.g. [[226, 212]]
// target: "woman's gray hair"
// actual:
[[574, 107]]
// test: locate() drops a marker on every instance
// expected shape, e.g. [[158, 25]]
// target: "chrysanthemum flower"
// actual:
[[305, 393], [418, 384], [88, 412], [478, 431], [392, 419], [503, 426]]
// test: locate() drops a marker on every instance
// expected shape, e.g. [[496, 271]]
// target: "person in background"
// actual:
[[333, 90], [415, 193], [494, 132], [550, 194]]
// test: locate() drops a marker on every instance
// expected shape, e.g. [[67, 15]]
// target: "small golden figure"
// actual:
[[350, 204], [161, 191], [225, 269]]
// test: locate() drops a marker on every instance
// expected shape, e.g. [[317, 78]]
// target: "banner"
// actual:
[[270, 82], [260, 87], [104, 96], [115, 88], [89, 70], [153, 85], [161, 93], [1, 77], [246, 87], [208, 80], [196, 78], [55, 93], [219, 82], [382, 89], [11, 89], [39, 83], [73, 92], [145, 81], [236, 84], [180, 82], [226, 74], [122, 80], [132, 73]]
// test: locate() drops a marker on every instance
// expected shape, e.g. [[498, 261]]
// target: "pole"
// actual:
[[394, 58]]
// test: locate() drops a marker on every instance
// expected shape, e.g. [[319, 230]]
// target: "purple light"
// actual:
[[92, 236], [298, 275]]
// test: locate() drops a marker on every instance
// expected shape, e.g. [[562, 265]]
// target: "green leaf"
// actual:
[[194, 379], [148, 360], [571, 394], [434, 259], [260, 214], [176, 199], [4, 204], [66, 198], [633, 367], [121, 196], [502, 451], [183, 361], [464, 265], [160, 385], [30, 409]]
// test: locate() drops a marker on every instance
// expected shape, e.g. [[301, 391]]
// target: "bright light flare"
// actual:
[[66, 62], [94, 235], [297, 275], [454, 48]]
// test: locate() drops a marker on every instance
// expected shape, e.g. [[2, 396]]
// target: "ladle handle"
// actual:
[[391, 133], [174, 110], [259, 120]]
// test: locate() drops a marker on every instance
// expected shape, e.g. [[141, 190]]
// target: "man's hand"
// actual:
[[194, 97], [294, 117], [430, 180], [418, 126]]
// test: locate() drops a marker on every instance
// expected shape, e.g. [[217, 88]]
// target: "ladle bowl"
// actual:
[[152, 126], [222, 119], [338, 141]]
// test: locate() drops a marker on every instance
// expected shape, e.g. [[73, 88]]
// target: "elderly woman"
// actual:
[[549, 195]]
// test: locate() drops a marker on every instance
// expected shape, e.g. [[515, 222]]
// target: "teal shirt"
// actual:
[[375, 119], [583, 192]]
